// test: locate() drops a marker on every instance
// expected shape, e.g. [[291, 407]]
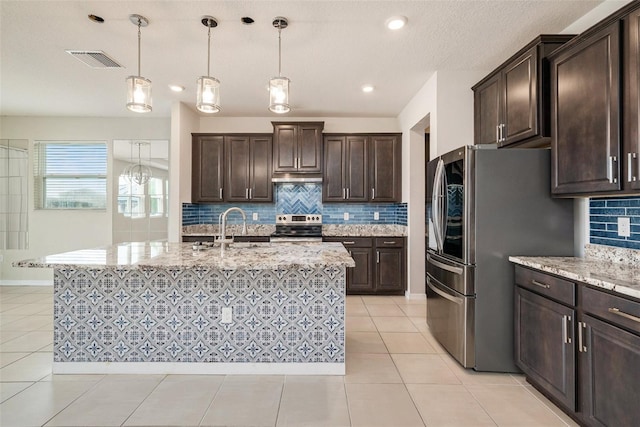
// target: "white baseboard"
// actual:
[[185, 368], [26, 282]]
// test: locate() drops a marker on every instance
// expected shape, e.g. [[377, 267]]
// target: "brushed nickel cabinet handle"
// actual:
[[344, 193], [348, 196], [378, 257], [497, 133], [349, 242], [581, 347], [565, 329], [621, 313], [373, 193], [220, 193], [630, 158], [540, 284], [250, 194], [390, 243], [612, 160]]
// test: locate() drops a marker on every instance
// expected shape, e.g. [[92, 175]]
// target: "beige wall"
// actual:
[[53, 232]]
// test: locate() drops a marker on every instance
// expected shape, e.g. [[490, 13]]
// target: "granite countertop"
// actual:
[[257, 256], [614, 269], [334, 230]]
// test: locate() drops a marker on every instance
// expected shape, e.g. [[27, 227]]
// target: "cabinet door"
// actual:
[[585, 140], [285, 148], [631, 141], [356, 169], [545, 349], [309, 148], [610, 383], [360, 279], [486, 114], [237, 183], [390, 269], [520, 92], [207, 175], [260, 170], [385, 168], [333, 184]]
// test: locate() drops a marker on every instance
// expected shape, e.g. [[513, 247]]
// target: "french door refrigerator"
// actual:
[[483, 205]]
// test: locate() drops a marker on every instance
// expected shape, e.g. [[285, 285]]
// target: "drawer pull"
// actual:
[[390, 243], [619, 312], [540, 284], [349, 243]]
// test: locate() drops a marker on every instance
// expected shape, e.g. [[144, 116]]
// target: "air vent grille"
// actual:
[[94, 58]]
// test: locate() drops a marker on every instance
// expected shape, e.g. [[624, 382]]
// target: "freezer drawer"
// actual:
[[459, 277], [450, 316]]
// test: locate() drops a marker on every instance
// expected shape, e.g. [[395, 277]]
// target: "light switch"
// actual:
[[346, 216], [624, 226]]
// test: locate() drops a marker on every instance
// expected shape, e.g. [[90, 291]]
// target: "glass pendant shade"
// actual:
[[138, 173], [139, 94], [208, 95], [279, 95]]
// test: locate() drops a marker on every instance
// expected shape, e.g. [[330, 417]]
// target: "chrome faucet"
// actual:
[[223, 227]]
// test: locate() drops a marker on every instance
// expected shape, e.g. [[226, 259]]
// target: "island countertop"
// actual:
[[256, 256]]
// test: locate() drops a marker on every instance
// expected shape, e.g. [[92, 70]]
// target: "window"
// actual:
[[70, 175]]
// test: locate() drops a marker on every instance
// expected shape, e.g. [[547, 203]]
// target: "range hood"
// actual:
[[296, 178]]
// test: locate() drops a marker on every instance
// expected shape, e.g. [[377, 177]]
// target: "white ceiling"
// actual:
[[330, 49]]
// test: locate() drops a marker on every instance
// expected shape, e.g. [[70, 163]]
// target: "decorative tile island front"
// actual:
[[157, 307]]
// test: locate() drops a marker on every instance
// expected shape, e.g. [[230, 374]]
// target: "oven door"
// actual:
[[450, 316]]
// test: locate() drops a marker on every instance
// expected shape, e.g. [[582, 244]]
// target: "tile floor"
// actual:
[[397, 375]]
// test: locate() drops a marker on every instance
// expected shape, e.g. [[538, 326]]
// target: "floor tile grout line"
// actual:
[[145, 399], [526, 388], [284, 384], [206, 411], [480, 404]]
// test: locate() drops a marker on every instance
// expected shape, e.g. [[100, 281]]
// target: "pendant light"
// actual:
[[139, 88], [279, 86], [208, 93], [137, 172]]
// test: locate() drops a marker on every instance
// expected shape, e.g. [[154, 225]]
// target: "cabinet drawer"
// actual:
[[251, 239], [615, 309], [352, 242], [544, 284], [389, 242], [198, 238]]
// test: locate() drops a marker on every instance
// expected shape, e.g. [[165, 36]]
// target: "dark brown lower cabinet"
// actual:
[[544, 344], [584, 355], [380, 265]]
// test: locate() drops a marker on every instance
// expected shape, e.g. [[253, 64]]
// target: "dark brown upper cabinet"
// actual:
[[297, 147], [586, 114], [385, 176], [595, 109], [631, 132], [362, 168], [248, 161], [511, 105], [345, 177], [207, 170]]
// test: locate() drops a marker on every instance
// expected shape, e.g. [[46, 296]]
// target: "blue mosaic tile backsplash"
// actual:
[[302, 199], [603, 221]]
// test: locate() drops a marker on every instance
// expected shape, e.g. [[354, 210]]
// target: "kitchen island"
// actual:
[[157, 307]]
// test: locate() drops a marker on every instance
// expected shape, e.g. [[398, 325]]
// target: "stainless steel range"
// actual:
[[298, 228]]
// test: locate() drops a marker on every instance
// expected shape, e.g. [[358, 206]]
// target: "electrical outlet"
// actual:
[[255, 216], [624, 226], [376, 216], [345, 216], [1, 258], [227, 315]]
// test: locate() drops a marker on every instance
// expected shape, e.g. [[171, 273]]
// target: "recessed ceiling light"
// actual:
[[96, 18], [367, 88], [176, 88], [247, 20], [396, 22]]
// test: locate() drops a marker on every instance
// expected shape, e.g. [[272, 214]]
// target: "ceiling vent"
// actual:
[[94, 58]]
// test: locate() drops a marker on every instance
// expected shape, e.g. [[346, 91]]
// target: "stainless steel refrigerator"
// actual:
[[483, 205]]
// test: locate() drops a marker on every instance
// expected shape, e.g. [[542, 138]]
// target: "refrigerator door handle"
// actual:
[[437, 204], [456, 270], [443, 294]]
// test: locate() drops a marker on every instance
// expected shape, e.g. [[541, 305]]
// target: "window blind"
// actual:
[[70, 175]]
